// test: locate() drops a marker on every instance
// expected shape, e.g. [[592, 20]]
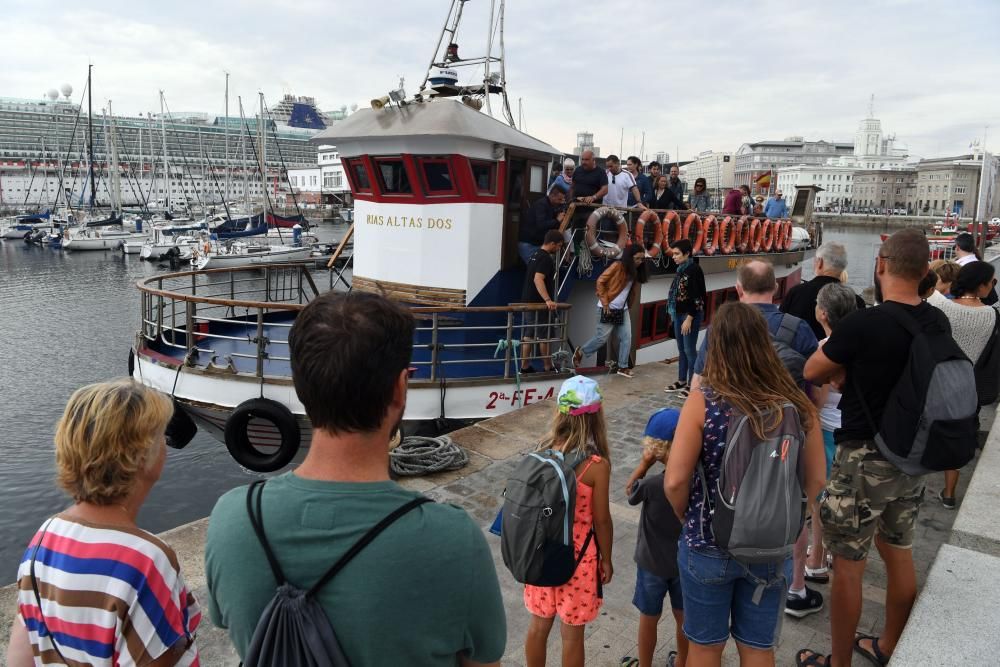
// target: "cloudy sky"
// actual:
[[691, 76]]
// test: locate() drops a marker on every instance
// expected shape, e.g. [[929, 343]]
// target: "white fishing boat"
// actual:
[[164, 239], [90, 238], [239, 253]]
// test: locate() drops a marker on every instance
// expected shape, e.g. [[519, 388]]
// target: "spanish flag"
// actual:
[[764, 181]]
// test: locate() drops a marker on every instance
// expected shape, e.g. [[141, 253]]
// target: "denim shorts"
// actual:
[[650, 590], [718, 598]]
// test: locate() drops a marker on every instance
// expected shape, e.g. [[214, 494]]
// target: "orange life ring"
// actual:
[[694, 220], [743, 234], [768, 232], [671, 226], [711, 235], [207, 247], [640, 227], [786, 235], [754, 235], [727, 235], [591, 233], [779, 235]]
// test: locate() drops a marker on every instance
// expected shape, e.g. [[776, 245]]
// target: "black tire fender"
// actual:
[[238, 439], [181, 429]]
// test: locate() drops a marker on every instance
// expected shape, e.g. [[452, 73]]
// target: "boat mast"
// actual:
[[263, 155], [116, 176], [226, 159], [166, 171], [90, 137]]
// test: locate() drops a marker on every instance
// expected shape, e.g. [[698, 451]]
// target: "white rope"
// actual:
[[420, 455]]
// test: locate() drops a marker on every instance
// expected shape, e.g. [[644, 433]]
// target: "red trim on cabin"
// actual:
[[465, 190]]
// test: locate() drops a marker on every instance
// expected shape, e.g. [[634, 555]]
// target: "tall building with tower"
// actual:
[[585, 141]]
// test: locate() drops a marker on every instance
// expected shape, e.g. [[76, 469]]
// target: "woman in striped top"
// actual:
[[94, 589]]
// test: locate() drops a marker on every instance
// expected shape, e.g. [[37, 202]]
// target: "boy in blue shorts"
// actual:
[[656, 548]]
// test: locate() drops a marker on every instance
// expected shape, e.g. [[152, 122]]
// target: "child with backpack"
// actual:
[[746, 455], [656, 547], [579, 436]]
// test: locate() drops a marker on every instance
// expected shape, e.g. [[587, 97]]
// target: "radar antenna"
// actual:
[[442, 77]]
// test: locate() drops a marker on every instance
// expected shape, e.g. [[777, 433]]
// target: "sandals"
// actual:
[[677, 386], [820, 575], [577, 356], [629, 661], [813, 660], [875, 656]]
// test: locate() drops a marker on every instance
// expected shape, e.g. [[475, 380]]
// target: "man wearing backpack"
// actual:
[[424, 590], [868, 498], [794, 341]]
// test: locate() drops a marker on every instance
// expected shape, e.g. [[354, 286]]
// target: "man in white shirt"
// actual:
[[620, 184]]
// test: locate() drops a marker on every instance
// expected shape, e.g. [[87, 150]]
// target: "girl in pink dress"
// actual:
[[578, 428]]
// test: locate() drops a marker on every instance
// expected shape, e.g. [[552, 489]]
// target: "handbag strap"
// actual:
[[38, 597]]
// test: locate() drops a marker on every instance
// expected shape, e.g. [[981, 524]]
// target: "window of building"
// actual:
[[484, 175], [312, 181], [392, 176], [327, 181], [437, 178], [959, 189]]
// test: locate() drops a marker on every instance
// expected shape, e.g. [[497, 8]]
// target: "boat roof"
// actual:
[[437, 118]]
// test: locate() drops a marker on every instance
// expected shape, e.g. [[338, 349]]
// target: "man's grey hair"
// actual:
[[834, 255], [837, 300], [568, 162]]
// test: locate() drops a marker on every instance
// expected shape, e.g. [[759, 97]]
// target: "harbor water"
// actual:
[[68, 319]]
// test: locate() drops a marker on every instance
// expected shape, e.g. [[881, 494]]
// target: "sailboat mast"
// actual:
[[116, 176], [226, 159], [263, 154], [166, 171], [90, 137]]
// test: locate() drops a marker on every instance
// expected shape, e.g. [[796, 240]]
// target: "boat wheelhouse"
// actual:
[[440, 190]]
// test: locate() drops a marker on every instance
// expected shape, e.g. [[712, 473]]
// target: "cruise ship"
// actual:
[[41, 138]]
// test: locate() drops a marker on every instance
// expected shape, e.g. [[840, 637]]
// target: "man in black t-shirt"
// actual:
[[545, 214], [829, 264], [539, 287], [867, 498], [590, 182]]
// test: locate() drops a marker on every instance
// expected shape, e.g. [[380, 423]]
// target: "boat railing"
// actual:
[[220, 317]]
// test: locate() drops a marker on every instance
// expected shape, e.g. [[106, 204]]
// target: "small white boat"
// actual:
[[164, 238], [239, 254], [98, 239]]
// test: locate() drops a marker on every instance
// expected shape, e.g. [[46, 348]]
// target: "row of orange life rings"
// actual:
[[711, 234]]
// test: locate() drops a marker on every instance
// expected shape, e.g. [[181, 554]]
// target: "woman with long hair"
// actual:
[[686, 307], [615, 295], [578, 431], [972, 324], [723, 595], [94, 588], [663, 197]]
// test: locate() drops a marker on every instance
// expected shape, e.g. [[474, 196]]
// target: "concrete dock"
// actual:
[[494, 448]]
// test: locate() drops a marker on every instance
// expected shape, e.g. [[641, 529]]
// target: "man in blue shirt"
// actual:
[[776, 207]]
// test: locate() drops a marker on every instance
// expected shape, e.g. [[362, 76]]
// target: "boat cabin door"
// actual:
[[527, 180]]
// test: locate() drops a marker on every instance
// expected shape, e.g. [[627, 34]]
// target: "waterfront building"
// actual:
[[41, 139], [754, 160], [836, 181], [323, 183], [663, 157], [949, 184], [886, 189], [585, 141], [716, 168]]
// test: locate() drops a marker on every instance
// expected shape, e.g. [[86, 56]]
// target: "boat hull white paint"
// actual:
[[273, 256]]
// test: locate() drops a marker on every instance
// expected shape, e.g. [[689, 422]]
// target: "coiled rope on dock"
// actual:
[[423, 455]]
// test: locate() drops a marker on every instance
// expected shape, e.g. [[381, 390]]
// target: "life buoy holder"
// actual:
[[237, 435], [591, 235], [672, 227], [656, 248], [743, 234], [727, 235], [711, 235], [695, 221], [754, 235], [768, 232]]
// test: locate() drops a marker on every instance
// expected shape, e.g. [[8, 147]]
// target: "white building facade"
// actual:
[[835, 179], [323, 184]]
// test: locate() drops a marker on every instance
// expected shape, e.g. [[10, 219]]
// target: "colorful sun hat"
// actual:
[[579, 395]]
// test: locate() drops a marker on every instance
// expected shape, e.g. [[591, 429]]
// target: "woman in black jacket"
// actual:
[[686, 306], [664, 197]]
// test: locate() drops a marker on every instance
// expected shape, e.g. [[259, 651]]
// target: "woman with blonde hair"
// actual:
[[723, 595], [94, 588], [579, 432]]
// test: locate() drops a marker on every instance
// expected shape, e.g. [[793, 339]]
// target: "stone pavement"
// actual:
[[494, 448]]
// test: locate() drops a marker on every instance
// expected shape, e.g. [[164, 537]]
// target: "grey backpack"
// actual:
[[293, 630], [758, 503], [536, 534], [782, 340]]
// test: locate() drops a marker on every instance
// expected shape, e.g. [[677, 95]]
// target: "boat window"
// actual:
[[359, 175], [484, 175], [654, 322], [537, 182], [436, 173], [392, 176]]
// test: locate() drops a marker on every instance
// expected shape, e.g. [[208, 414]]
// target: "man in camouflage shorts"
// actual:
[[867, 498]]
